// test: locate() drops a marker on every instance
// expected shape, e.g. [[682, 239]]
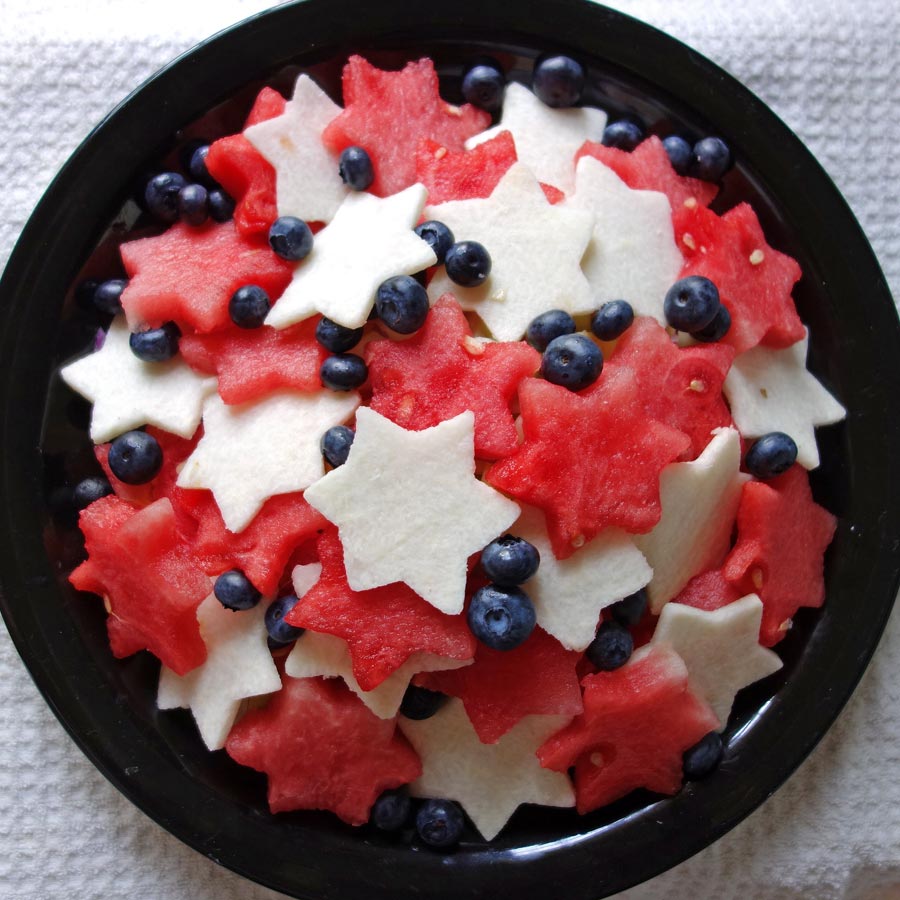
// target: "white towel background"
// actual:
[[830, 69]]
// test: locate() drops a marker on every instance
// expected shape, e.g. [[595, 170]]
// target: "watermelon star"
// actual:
[[238, 665], [441, 371], [409, 507], [308, 184], [491, 781], [535, 250]]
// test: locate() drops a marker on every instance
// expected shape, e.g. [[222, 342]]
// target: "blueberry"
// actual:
[[90, 489], [717, 329], [221, 205], [355, 168], [703, 757], [135, 457], [612, 320], [156, 344], [193, 204], [420, 703], [510, 560], [623, 134], [611, 648], [691, 303], [558, 80], [438, 236], [235, 591], [680, 153], [108, 295], [249, 305], [773, 454], [630, 610], [290, 238], [161, 195], [335, 337], [336, 444], [343, 371], [197, 168], [573, 361], [280, 633], [549, 325], [468, 263], [391, 811], [439, 823], [402, 304], [501, 617], [712, 159], [483, 85], [188, 149]]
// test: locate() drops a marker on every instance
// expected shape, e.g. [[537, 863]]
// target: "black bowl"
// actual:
[[156, 759]]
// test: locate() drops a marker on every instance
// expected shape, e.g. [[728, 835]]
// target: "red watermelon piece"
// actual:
[[440, 372], [388, 113], [321, 748], [779, 555], [188, 274], [709, 591], [679, 386], [250, 363], [637, 723], [589, 460], [464, 174], [647, 168], [383, 627], [754, 280], [503, 686], [245, 173], [138, 561]]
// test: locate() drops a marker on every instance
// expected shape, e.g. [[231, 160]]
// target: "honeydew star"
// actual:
[[251, 452], [128, 392], [535, 251], [409, 508], [369, 240]]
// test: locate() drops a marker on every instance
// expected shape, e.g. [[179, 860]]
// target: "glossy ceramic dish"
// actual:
[[158, 760]]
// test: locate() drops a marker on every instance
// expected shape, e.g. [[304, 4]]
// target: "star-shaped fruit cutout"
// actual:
[[637, 722], [442, 371], [535, 251], [589, 460], [308, 184], [782, 537], [546, 138], [409, 507], [128, 392], [238, 665], [699, 504], [720, 649], [771, 390], [188, 274], [383, 627], [369, 240], [388, 113], [302, 741], [490, 781], [632, 254], [569, 594], [252, 452]]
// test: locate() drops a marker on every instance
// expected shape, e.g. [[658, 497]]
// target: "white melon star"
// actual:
[[369, 240], [721, 649], [632, 254], [569, 594], [546, 138], [251, 452], [128, 392], [771, 390], [307, 182], [238, 665], [491, 781], [699, 503], [409, 508], [535, 251]]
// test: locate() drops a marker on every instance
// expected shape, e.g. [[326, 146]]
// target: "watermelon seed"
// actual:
[[764, 393], [756, 257], [698, 386], [691, 203], [597, 759], [688, 241], [473, 346], [440, 153], [757, 577], [578, 541]]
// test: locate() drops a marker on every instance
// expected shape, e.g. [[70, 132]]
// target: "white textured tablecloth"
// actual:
[[831, 70]]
